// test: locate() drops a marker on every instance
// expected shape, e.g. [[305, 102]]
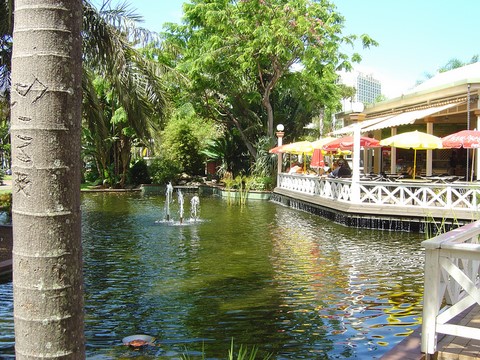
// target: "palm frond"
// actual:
[[6, 30], [108, 36]]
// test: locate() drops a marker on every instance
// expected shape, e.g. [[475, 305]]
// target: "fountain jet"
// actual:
[[194, 203], [168, 200]]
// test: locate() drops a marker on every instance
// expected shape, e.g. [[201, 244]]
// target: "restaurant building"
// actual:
[[443, 105]]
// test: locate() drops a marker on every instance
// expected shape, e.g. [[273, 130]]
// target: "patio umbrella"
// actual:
[[346, 143], [298, 148], [276, 149], [415, 140], [317, 157], [318, 144], [468, 139]]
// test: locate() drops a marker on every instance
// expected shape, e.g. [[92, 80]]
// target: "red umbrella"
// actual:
[[276, 150], [317, 159], [346, 143], [468, 139]]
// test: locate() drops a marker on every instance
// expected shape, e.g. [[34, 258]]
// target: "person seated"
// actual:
[[295, 169], [408, 173], [342, 170]]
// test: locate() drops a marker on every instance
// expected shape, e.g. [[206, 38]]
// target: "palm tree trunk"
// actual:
[[46, 100]]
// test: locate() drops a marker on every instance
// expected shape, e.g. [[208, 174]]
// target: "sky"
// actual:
[[415, 36]]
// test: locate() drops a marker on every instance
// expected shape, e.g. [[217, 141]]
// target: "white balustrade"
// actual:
[[452, 262], [449, 196]]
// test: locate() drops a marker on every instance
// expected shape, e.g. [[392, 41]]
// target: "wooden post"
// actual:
[[431, 300], [429, 160]]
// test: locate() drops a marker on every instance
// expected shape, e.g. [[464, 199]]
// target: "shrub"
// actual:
[[6, 203], [264, 183], [139, 174], [91, 173], [163, 171]]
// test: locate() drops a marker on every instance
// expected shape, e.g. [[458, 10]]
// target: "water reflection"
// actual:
[[291, 283]]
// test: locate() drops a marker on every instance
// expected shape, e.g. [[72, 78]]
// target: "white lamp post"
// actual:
[[355, 189], [279, 134]]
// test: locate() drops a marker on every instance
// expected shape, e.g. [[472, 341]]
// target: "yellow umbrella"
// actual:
[[318, 144], [415, 140], [299, 147]]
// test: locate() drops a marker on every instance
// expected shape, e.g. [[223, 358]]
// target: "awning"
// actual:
[[363, 124], [407, 118]]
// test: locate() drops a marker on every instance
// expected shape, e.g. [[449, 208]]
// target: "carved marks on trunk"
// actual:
[[24, 142], [22, 183], [27, 93], [37, 90]]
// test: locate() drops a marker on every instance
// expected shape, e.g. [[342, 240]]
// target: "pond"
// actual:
[[262, 275]]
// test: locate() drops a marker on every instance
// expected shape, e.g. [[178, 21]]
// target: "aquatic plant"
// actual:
[[435, 227], [229, 183], [243, 353]]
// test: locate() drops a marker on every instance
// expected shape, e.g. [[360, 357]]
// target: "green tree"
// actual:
[[6, 29], [111, 148], [184, 148], [126, 99], [237, 53], [46, 96], [183, 139], [110, 36], [230, 152]]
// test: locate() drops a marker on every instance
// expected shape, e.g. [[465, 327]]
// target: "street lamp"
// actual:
[[280, 134]]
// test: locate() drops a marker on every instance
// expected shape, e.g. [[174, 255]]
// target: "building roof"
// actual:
[[463, 75], [450, 93]]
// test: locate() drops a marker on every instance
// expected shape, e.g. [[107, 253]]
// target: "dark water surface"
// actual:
[[291, 283]]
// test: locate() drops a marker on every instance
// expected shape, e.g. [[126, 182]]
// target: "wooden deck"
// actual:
[[457, 348], [449, 347], [377, 202]]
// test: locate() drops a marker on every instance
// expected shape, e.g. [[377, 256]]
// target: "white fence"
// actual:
[[427, 195], [452, 262]]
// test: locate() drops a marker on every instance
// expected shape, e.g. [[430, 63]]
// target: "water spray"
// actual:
[[180, 202], [194, 205], [168, 195]]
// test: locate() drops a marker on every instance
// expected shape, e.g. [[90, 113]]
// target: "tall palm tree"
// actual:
[[46, 98], [136, 82], [108, 35]]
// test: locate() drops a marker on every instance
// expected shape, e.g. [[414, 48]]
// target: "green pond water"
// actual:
[[290, 283]]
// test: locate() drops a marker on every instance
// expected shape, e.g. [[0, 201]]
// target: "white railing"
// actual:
[[452, 196], [452, 263]]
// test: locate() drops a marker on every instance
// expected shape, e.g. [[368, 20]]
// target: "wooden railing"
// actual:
[[452, 262], [452, 196]]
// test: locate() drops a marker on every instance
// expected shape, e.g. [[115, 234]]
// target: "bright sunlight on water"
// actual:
[[290, 283]]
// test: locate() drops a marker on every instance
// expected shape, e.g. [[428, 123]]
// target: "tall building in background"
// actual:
[[367, 88]]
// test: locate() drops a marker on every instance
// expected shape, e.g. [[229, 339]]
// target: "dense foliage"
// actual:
[[243, 65], [245, 58]]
